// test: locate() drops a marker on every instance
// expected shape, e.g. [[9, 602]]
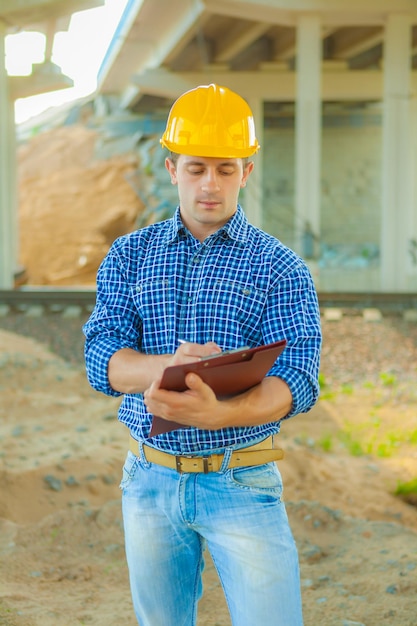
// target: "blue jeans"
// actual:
[[238, 513]]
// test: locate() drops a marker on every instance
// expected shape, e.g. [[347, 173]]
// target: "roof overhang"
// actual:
[[48, 17], [154, 49]]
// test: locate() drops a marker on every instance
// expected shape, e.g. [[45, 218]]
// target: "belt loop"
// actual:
[[142, 455], [226, 459]]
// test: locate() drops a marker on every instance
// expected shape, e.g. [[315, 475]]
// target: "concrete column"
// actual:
[[308, 138], [7, 176], [397, 166], [412, 258], [253, 195]]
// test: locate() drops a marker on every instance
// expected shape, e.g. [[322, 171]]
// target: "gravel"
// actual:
[[354, 350]]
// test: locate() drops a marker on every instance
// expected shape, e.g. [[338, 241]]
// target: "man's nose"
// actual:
[[210, 181]]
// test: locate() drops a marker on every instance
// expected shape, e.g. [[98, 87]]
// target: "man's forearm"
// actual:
[[268, 402], [130, 371]]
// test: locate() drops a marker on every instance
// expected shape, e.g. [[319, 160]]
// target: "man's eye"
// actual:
[[196, 172]]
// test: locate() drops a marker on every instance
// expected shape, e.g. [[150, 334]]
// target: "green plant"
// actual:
[[368, 385], [388, 379], [55, 532], [354, 447], [322, 380], [325, 392], [412, 437], [384, 450], [407, 491], [327, 395], [375, 419], [326, 443], [406, 488]]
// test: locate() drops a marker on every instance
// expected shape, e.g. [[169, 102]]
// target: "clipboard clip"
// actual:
[[224, 352]]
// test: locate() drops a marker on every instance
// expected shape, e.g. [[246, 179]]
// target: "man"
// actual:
[[171, 293]]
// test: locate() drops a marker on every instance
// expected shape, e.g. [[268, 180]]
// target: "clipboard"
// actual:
[[227, 374]]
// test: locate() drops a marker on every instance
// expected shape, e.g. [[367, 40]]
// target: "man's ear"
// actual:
[[170, 166], [246, 173]]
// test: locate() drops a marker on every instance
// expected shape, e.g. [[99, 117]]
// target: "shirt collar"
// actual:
[[236, 228], [175, 228]]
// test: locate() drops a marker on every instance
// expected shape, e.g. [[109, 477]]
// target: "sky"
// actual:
[[78, 52]]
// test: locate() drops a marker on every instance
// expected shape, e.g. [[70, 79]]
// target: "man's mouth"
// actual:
[[209, 203]]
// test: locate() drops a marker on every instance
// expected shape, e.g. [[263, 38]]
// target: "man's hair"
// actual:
[[174, 157]]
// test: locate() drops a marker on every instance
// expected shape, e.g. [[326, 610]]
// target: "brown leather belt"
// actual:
[[260, 453]]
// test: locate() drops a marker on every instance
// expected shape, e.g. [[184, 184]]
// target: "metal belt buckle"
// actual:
[[178, 461], [205, 459]]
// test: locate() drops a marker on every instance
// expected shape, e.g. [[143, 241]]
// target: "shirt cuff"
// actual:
[[304, 391], [97, 357]]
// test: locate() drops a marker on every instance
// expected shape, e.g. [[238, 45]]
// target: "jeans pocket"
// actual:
[[263, 479], [129, 470]]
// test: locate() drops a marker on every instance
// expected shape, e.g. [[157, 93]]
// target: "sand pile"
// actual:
[[71, 205]]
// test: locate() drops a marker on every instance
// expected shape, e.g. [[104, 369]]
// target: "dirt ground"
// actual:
[[61, 545], [61, 447]]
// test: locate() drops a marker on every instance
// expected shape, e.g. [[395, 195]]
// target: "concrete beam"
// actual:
[[24, 13], [332, 12], [45, 77], [274, 86]]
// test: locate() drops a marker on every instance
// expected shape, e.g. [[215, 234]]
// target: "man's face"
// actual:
[[208, 190]]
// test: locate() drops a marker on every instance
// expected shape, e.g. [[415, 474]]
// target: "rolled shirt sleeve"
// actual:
[[293, 313], [113, 324]]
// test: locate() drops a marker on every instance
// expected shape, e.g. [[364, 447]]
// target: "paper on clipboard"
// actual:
[[227, 374]]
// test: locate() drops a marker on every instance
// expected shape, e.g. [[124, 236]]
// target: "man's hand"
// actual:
[[187, 352], [194, 406], [130, 371], [197, 406]]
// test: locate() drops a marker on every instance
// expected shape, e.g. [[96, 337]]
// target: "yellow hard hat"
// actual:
[[211, 121]]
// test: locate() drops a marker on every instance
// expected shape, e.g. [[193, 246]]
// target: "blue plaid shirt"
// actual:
[[239, 287]]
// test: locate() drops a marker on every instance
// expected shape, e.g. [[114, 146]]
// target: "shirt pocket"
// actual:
[[237, 304], [155, 303]]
